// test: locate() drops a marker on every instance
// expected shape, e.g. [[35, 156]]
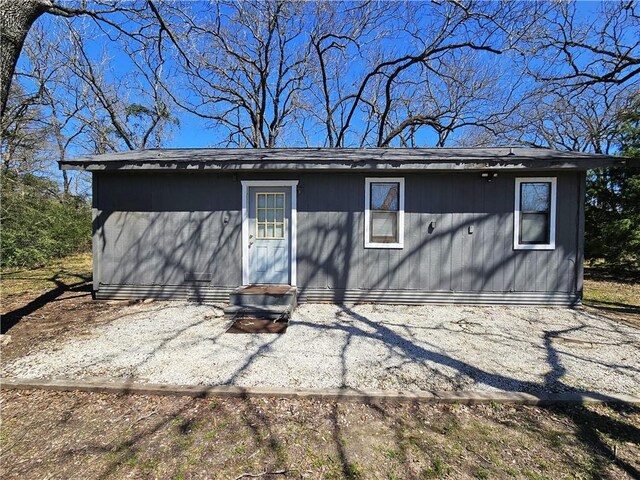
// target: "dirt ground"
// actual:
[[85, 435], [42, 304], [72, 314]]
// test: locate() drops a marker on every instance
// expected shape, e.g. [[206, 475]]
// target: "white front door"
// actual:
[[268, 230], [269, 233]]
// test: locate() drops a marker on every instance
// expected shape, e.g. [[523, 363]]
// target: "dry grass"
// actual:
[[69, 270], [44, 304], [610, 292], [84, 435], [618, 300]]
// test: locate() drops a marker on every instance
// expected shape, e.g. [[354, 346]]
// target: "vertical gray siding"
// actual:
[[581, 199], [157, 228], [331, 251], [154, 228]]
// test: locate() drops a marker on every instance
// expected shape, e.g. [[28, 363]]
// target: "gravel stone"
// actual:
[[427, 347]]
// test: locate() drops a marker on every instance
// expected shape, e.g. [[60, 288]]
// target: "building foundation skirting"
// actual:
[[208, 294], [417, 297], [164, 292]]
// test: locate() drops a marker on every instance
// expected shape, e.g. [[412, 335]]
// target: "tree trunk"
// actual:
[[16, 18], [65, 183]]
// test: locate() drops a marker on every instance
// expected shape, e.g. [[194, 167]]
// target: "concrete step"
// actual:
[[264, 295], [272, 312]]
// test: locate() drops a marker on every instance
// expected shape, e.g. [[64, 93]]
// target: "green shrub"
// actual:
[[39, 223]]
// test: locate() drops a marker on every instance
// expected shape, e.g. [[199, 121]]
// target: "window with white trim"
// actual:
[[384, 213], [535, 213]]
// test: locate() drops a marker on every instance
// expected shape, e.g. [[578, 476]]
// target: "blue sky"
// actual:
[[193, 131]]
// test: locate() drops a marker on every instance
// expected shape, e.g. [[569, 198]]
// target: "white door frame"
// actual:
[[246, 184]]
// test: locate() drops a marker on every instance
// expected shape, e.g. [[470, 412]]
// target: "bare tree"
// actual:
[[340, 74], [18, 16], [436, 36], [245, 67], [131, 107], [342, 36], [584, 123], [60, 99], [70, 102], [16, 19], [582, 70], [469, 91], [23, 133], [580, 51], [276, 72]]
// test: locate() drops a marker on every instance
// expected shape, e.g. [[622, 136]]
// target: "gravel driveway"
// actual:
[[364, 347]]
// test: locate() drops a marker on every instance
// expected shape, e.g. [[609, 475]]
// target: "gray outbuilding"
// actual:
[[491, 225]]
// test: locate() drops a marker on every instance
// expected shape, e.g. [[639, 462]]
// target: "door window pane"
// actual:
[[270, 216]]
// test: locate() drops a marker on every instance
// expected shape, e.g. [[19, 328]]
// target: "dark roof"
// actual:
[[362, 159]]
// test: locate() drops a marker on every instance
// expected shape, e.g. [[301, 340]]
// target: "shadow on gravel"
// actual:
[[263, 436], [404, 346]]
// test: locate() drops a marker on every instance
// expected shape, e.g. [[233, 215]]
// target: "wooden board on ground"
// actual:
[[257, 325]]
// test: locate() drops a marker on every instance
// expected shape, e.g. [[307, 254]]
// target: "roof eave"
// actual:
[[365, 166]]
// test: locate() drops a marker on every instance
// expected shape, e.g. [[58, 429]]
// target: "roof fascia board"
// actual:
[[386, 165]]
